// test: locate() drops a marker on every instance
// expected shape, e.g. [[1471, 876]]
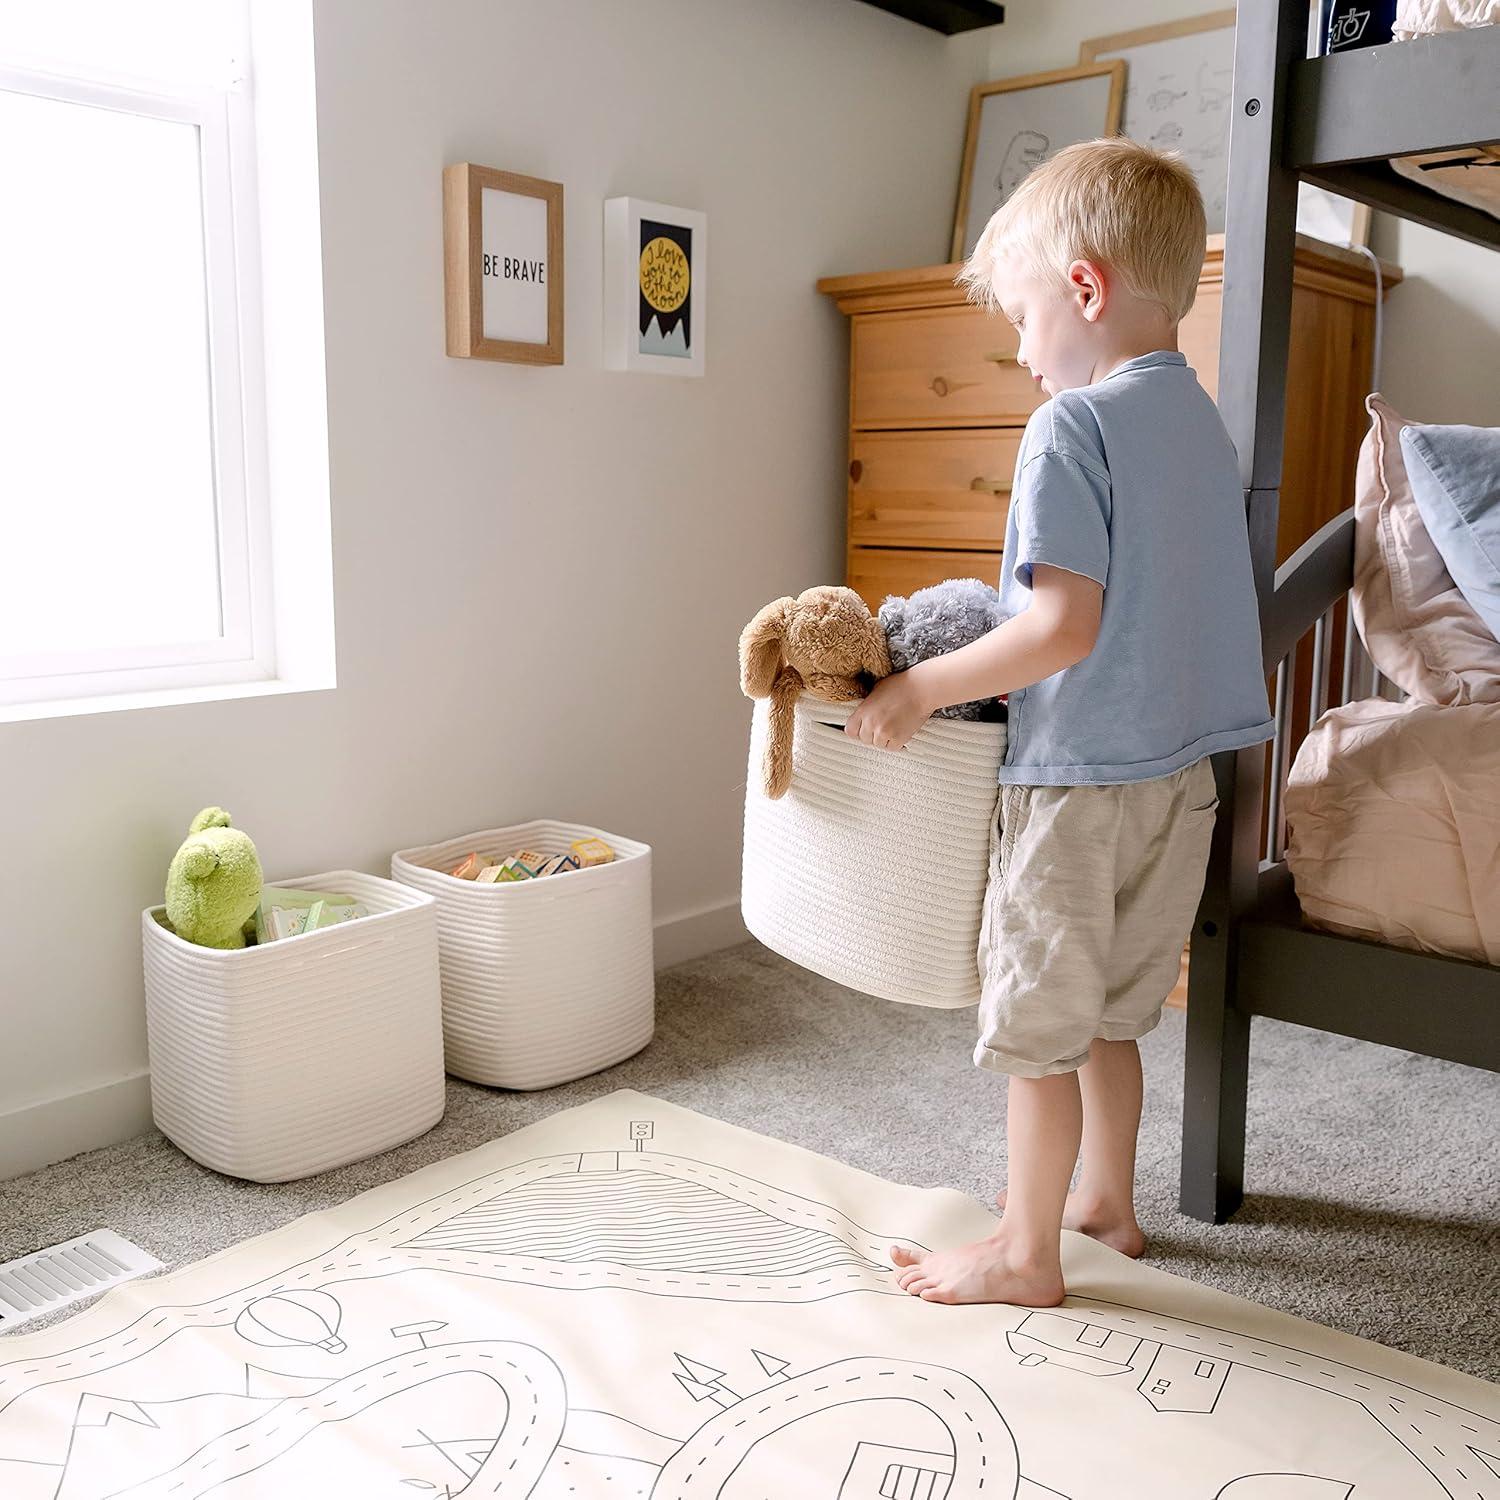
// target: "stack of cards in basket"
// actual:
[[527, 864]]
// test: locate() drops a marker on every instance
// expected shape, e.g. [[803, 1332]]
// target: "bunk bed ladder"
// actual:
[[1333, 120], [1259, 240]]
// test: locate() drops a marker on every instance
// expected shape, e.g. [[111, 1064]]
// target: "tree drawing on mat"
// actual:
[[632, 1300], [666, 310]]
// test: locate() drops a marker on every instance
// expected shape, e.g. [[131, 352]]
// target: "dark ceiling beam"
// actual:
[[947, 16]]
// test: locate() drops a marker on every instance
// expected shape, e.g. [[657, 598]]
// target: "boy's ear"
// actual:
[[1087, 284]]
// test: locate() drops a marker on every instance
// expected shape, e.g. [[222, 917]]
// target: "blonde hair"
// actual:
[[1127, 206]]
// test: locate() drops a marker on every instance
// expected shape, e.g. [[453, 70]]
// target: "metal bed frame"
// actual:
[[1334, 121]]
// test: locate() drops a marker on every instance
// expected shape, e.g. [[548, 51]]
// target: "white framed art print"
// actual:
[[654, 305]]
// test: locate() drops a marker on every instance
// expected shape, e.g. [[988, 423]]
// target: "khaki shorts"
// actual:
[[1092, 893]]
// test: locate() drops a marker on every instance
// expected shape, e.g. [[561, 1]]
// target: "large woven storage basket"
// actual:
[[543, 980], [278, 1061], [871, 869]]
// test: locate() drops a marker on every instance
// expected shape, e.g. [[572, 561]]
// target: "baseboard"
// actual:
[[36, 1135], [698, 932]]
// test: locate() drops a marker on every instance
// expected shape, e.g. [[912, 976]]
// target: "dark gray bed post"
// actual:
[[1259, 242]]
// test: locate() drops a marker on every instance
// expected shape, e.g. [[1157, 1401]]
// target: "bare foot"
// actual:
[[1118, 1231], [985, 1271]]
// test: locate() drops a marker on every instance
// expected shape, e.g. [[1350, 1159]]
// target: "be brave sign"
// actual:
[[503, 265], [513, 266]]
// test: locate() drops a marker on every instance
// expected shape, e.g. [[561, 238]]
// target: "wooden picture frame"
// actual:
[[1098, 47], [1072, 104], [502, 265], [1178, 93]]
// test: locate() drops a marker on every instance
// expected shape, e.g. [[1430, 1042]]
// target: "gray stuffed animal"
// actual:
[[936, 620]]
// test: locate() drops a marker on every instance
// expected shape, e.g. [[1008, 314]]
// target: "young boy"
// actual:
[[1131, 655]]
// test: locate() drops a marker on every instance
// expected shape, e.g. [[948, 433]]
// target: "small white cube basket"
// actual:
[[276, 1061], [543, 980], [871, 869]]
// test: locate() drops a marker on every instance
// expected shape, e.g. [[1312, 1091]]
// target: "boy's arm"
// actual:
[[1056, 630]]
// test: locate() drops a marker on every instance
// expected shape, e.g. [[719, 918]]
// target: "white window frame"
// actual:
[[245, 651]]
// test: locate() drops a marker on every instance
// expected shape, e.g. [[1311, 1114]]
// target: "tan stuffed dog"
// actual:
[[825, 642]]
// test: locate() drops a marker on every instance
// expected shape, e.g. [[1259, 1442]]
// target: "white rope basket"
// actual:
[[278, 1061], [543, 980], [871, 869]]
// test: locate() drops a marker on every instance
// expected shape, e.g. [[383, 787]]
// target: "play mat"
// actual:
[[629, 1300]]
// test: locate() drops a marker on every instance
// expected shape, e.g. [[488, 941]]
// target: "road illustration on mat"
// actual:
[[737, 1340]]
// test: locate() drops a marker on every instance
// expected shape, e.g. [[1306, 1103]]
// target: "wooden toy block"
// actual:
[[592, 852]]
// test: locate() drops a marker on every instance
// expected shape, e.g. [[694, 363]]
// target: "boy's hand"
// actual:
[[895, 710]]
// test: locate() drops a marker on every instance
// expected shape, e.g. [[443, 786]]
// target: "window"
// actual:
[[138, 552]]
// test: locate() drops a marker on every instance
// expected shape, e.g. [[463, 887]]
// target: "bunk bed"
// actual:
[[1336, 122]]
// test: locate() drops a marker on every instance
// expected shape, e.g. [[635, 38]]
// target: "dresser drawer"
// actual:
[[875, 572], [926, 489], [940, 367]]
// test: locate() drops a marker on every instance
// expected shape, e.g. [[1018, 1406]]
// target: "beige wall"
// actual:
[[1441, 361], [1042, 34], [1442, 336], [649, 517], [540, 573]]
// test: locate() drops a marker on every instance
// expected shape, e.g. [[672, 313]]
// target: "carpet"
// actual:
[[629, 1298], [1372, 1179]]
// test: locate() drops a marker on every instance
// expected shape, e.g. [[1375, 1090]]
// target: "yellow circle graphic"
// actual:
[[664, 274]]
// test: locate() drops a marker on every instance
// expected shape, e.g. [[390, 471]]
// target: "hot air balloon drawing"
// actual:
[[296, 1319]]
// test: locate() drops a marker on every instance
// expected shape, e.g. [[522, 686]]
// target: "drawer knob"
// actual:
[[1000, 359], [856, 470], [939, 386], [990, 486]]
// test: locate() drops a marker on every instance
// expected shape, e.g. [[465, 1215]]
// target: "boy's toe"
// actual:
[[901, 1256]]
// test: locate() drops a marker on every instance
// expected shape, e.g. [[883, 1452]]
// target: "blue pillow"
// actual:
[[1455, 480]]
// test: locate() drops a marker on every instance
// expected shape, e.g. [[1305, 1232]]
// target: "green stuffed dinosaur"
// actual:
[[213, 883]]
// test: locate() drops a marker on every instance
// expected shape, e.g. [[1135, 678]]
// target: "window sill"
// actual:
[[65, 708]]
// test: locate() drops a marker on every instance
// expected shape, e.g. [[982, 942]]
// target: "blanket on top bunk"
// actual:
[[1422, 17]]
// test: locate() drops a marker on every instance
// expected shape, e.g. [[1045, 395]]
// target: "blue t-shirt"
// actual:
[[1133, 482]]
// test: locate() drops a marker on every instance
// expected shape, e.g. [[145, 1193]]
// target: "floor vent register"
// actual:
[[40, 1283]]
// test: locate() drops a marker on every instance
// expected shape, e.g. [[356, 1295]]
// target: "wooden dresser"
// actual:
[[937, 403]]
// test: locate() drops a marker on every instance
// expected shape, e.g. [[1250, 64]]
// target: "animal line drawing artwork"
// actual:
[[1177, 98], [628, 1299], [1026, 151]]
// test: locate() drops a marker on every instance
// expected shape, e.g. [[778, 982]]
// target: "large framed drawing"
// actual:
[[1177, 93], [1015, 124], [502, 265]]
